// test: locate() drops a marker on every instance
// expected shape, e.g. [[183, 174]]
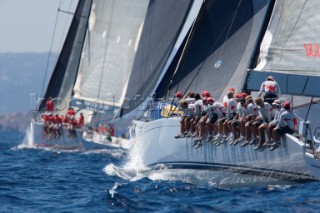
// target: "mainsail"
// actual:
[[115, 28], [290, 49], [219, 49]]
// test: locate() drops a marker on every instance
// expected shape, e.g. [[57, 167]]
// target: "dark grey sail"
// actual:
[[163, 23], [220, 48], [65, 72]]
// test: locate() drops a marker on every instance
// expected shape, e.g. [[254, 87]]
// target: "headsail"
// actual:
[[219, 51], [163, 24], [65, 71], [290, 49]]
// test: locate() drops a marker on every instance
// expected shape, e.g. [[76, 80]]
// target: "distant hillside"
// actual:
[[20, 75], [16, 121]]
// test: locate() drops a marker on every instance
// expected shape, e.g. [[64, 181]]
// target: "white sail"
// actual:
[[109, 50], [293, 27], [290, 49]]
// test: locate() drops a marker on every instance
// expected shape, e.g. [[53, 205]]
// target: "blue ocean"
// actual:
[[39, 180]]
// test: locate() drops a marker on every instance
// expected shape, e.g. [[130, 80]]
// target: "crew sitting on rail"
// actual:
[[219, 110], [224, 123], [184, 108], [45, 124], [287, 124], [237, 125], [72, 124], [212, 118], [200, 129], [221, 136], [70, 113], [278, 109], [265, 110], [253, 113], [57, 123]]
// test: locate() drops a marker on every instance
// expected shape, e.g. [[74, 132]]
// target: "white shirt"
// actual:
[[218, 108], [278, 112], [265, 111], [231, 106], [269, 86], [242, 111], [198, 105], [191, 109], [287, 118], [253, 109]]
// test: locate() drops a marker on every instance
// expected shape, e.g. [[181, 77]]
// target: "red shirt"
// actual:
[[74, 122], [64, 119], [71, 112], [111, 131], [81, 121], [102, 129], [57, 119], [50, 105]]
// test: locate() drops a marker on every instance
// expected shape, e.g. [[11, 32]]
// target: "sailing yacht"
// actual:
[[113, 55], [238, 45]]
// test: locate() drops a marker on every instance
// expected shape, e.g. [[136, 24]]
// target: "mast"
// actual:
[[65, 71]]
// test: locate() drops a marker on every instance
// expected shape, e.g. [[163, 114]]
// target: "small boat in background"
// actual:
[[114, 54]]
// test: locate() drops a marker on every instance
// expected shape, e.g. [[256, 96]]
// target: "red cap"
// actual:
[[210, 99], [205, 93], [286, 105], [179, 95], [239, 95], [231, 89], [244, 95]]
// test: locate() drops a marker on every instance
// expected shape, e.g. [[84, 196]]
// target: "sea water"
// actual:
[[39, 180]]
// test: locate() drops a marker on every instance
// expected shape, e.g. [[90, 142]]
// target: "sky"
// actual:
[[29, 25]]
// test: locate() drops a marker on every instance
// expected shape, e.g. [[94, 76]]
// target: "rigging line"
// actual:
[[311, 102], [65, 25], [199, 69], [50, 51], [105, 51], [180, 59], [62, 35], [234, 16], [191, 33]]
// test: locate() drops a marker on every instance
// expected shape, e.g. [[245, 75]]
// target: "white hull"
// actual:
[[40, 140], [313, 165], [158, 146]]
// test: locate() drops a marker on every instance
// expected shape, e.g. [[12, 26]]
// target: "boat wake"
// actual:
[[28, 143], [203, 178], [134, 170]]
